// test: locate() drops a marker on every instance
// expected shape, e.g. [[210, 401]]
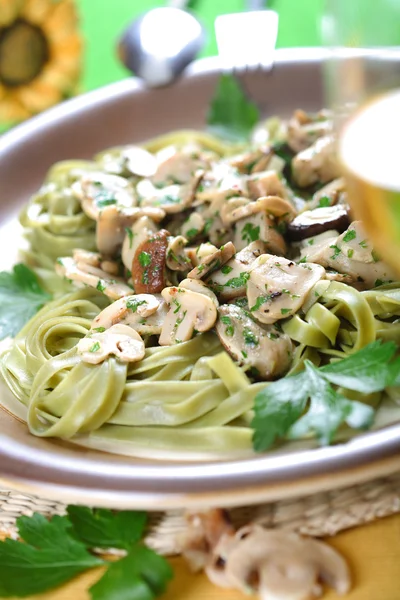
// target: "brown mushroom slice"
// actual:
[[193, 226], [139, 161], [267, 351], [258, 158], [273, 206], [122, 341], [83, 274], [259, 226], [317, 163], [189, 311], [278, 287], [313, 222], [352, 254], [135, 235], [197, 285], [303, 129], [280, 565], [231, 281], [98, 190], [148, 265], [213, 262], [266, 183], [176, 258]]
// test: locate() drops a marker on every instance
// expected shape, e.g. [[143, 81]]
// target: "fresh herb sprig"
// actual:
[[231, 115], [308, 404], [51, 552], [21, 296]]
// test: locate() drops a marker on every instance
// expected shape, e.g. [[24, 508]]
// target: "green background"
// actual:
[[102, 21]]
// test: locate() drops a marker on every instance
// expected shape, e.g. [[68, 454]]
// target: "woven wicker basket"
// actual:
[[321, 514]]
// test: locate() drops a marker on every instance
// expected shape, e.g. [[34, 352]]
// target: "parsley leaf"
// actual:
[[50, 557], [231, 115], [307, 403], [141, 575], [101, 528], [21, 296]]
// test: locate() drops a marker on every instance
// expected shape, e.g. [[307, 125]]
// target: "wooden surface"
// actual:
[[373, 552]]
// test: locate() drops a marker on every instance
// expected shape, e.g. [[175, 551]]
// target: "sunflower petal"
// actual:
[[62, 20], [36, 11], [39, 95], [9, 11], [12, 110]]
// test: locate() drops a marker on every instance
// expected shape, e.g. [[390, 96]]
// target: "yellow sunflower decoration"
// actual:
[[40, 55]]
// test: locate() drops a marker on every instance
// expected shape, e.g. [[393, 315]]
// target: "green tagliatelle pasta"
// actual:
[[186, 400]]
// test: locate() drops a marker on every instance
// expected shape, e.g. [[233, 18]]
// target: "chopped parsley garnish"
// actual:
[[272, 336], [95, 347], [250, 339], [244, 354], [259, 302], [168, 199], [237, 282], [101, 285], [375, 256], [378, 282], [133, 304], [324, 202], [363, 244], [99, 329], [350, 253], [226, 269], [130, 235], [208, 224], [242, 302], [177, 304], [311, 242], [337, 251], [349, 235], [191, 233], [250, 233], [285, 311], [144, 259], [229, 330]]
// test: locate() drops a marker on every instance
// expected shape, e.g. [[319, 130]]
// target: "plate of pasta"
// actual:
[[196, 317]]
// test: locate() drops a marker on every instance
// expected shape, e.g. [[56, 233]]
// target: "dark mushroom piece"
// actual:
[[314, 222], [263, 348], [148, 265]]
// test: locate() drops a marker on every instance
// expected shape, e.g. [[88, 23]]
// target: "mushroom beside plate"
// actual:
[[123, 113]]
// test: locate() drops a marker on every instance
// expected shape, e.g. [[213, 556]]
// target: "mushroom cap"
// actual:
[[313, 222], [188, 311], [267, 351], [122, 341]]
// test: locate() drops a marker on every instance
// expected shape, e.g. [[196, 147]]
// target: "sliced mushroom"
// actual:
[[189, 311], [198, 254], [259, 226], [176, 258], [122, 341], [90, 258], [197, 285], [317, 163], [177, 166], [257, 159], [98, 190], [82, 274], [314, 222], [172, 198], [305, 129], [273, 206], [193, 226], [143, 312], [352, 254], [128, 160], [266, 183], [231, 281], [148, 266], [213, 262], [266, 350], [330, 194], [135, 235], [229, 208], [278, 287], [278, 565]]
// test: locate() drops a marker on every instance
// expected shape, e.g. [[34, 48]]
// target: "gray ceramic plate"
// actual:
[[125, 113]]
